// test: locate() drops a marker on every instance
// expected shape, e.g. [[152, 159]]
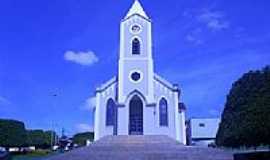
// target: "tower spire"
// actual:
[[136, 9]]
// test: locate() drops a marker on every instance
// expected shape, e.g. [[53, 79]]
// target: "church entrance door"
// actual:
[[136, 116]]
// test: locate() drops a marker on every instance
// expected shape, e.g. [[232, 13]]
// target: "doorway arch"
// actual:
[[136, 116]]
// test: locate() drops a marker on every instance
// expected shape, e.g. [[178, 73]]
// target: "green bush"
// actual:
[[40, 139], [12, 133], [245, 120], [81, 138]]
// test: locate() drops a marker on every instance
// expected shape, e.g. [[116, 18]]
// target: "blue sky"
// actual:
[[69, 47]]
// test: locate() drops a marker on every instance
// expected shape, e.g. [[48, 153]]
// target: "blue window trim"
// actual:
[[110, 112], [163, 112], [136, 46]]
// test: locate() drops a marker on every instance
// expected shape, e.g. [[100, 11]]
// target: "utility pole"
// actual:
[[63, 132], [52, 136], [52, 130], [55, 136]]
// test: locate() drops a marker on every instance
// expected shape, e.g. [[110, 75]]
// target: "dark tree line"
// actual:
[[81, 138], [245, 120], [14, 134], [40, 138]]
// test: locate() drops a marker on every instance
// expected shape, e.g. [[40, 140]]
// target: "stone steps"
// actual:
[[142, 148], [136, 139]]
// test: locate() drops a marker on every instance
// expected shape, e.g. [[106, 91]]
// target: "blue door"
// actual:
[[136, 116]]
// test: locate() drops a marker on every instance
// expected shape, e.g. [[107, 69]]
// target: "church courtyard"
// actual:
[[142, 148]]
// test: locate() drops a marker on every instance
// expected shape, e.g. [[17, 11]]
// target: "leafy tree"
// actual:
[[50, 137], [40, 138], [81, 138], [245, 120], [12, 133], [36, 138]]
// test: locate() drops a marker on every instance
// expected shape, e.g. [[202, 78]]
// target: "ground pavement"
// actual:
[[142, 148]]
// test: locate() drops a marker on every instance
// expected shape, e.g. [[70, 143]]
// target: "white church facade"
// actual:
[[137, 101]]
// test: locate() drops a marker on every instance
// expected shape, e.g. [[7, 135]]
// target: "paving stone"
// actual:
[[142, 148]]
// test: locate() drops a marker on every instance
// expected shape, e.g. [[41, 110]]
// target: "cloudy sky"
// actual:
[[54, 53]]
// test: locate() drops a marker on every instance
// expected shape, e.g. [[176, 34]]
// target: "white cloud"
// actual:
[[90, 103], [4, 101], [193, 36], [193, 39], [84, 58], [214, 20], [217, 25], [83, 127]]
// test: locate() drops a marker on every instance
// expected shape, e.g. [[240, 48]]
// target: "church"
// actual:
[[137, 101]]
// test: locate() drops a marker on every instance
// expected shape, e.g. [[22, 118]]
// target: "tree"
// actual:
[[245, 120], [12, 133], [40, 138], [50, 137], [36, 138], [81, 138]]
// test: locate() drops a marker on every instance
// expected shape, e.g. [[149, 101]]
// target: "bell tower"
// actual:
[[135, 66]]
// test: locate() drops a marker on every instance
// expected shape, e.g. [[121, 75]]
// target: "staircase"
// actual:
[[142, 148]]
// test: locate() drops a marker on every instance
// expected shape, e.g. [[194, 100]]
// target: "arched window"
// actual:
[[163, 112], [110, 112], [136, 46]]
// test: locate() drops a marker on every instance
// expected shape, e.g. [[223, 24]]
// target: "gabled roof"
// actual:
[[136, 9], [107, 84], [170, 86]]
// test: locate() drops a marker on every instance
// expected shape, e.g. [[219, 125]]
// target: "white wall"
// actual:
[[100, 114], [208, 131], [182, 128], [150, 114], [160, 92]]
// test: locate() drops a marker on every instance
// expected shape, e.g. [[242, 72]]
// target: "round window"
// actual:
[[135, 29], [135, 76]]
